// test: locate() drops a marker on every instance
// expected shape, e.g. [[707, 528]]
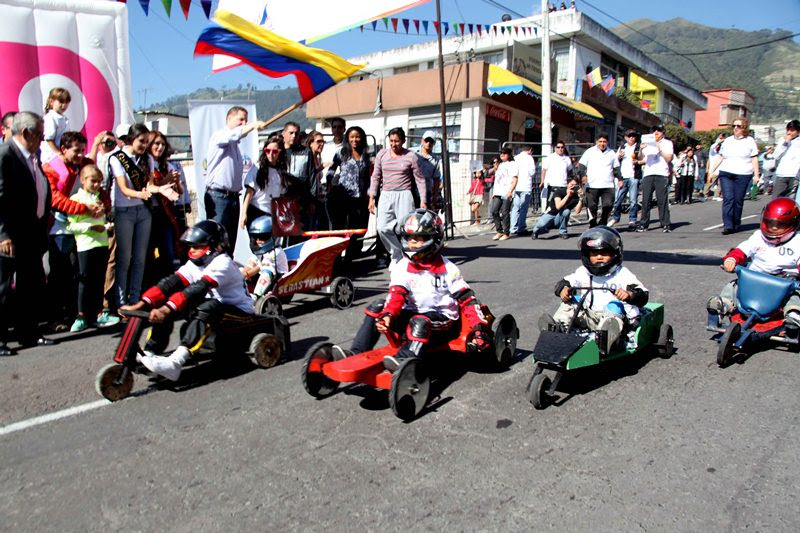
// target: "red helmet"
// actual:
[[780, 220]]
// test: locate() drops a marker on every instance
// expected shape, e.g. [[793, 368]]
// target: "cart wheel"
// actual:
[[410, 388], [265, 350], [506, 334], [537, 391], [726, 350], [316, 383], [269, 305], [666, 341], [342, 293], [104, 383]]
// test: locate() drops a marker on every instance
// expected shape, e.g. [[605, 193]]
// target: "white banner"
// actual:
[[79, 45], [206, 117]]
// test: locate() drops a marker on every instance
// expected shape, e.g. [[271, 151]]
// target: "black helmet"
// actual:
[[422, 223], [261, 228], [210, 234], [601, 238]]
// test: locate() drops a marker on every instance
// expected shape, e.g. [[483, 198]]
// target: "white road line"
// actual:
[[720, 225], [49, 417]]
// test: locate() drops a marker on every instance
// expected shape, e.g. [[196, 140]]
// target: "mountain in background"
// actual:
[[268, 103], [771, 73]]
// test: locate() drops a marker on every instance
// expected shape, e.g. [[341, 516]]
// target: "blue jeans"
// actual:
[[132, 226], [224, 209], [734, 189], [548, 221], [630, 186], [519, 211]]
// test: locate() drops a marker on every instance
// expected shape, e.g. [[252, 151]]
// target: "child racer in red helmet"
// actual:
[[773, 249]]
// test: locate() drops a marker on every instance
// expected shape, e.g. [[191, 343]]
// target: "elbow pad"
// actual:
[[560, 286], [156, 296], [395, 301], [639, 297], [191, 295]]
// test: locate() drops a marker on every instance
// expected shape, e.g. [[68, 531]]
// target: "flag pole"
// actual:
[[282, 114], [448, 204]]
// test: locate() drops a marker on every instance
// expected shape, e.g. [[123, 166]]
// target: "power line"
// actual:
[[738, 47]]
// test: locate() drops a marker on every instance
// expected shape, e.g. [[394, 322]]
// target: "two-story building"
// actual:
[[724, 106]]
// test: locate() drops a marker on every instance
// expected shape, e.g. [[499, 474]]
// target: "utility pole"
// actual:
[[547, 126], [448, 204]]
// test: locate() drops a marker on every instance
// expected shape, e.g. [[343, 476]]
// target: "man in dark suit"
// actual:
[[24, 217]]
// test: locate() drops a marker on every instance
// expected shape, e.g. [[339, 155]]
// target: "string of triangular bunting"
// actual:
[[185, 5], [458, 28]]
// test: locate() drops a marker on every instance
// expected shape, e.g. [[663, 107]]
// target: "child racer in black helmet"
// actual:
[[202, 290], [427, 297], [612, 312], [269, 259]]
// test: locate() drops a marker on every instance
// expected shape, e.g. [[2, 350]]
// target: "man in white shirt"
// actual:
[[225, 170], [657, 159], [599, 162], [631, 172], [505, 181], [331, 148], [526, 166], [787, 162]]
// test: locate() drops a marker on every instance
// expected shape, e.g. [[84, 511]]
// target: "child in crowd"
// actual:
[[269, 261], [427, 298], [91, 239], [773, 249], [55, 123], [475, 196], [204, 289], [605, 312]]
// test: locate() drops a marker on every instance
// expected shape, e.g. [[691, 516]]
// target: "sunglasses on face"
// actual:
[[738, 126], [272, 150], [559, 147]]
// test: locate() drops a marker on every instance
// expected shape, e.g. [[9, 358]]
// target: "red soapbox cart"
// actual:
[[312, 266], [325, 367]]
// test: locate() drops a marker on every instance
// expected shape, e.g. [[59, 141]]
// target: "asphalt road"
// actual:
[[647, 444]]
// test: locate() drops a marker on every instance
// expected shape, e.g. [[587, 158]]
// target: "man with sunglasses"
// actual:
[[631, 172], [431, 167], [787, 162], [657, 161]]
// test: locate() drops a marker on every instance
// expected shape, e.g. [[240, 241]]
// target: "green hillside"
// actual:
[[268, 103], [771, 73]]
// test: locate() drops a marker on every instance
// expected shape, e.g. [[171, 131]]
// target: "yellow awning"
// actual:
[[502, 81]]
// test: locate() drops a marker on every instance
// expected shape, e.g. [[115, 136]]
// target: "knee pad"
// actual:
[[374, 309], [616, 307], [716, 305], [419, 329]]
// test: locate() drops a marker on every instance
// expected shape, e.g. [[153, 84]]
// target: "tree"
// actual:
[[677, 135]]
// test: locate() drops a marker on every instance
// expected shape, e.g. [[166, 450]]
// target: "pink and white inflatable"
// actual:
[[81, 45]]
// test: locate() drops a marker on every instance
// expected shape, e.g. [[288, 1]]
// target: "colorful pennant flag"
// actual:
[[145, 6], [608, 84], [594, 78], [437, 25], [416, 25], [206, 7], [167, 6], [425, 25], [394, 24], [185, 4], [315, 69], [405, 24]]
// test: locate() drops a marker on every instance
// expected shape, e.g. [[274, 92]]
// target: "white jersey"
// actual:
[[270, 265], [430, 289], [780, 259], [222, 271], [621, 278]]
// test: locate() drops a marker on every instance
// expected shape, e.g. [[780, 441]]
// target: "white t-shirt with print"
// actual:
[[599, 167], [621, 278], [230, 289], [430, 289], [770, 258], [270, 265], [503, 178], [262, 198], [737, 155]]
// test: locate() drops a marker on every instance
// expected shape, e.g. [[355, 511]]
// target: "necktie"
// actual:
[[37, 180]]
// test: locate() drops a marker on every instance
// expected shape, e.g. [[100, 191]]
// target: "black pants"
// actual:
[[21, 306], [684, 188], [206, 315], [348, 212], [62, 282], [500, 211], [658, 184], [443, 329], [92, 264], [604, 198]]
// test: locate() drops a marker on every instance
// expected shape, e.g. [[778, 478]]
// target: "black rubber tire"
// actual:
[[726, 350], [315, 382], [505, 336], [265, 350], [342, 292], [104, 383], [411, 386], [666, 341], [269, 305], [538, 391]]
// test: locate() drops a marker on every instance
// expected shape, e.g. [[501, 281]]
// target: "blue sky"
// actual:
[[162, 64]]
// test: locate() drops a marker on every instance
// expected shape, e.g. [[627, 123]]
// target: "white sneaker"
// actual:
[[717, 199], [611, 223], [612, 325], [167, 367]]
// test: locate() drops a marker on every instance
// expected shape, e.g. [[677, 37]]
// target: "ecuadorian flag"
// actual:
[[315, 69]]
